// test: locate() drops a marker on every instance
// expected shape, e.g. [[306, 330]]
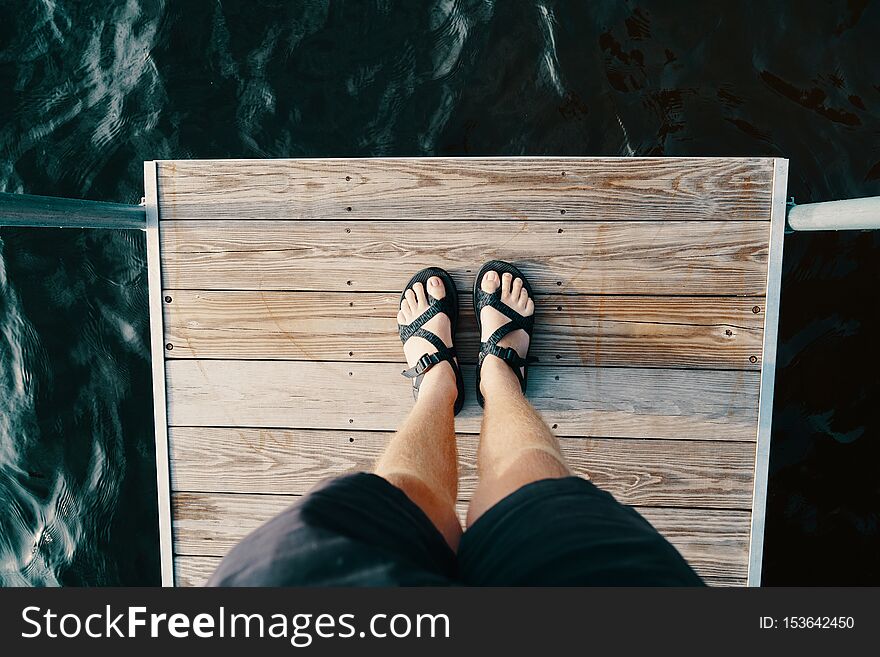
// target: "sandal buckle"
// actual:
[[508, 354], [426, 362], [422, 365]]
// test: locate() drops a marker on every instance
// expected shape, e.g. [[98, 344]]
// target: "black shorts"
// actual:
[[360, 530]]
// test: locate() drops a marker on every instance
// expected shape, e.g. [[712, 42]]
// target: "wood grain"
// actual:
[[605, 189], [195, 571], [715, 542], [701, 332], [582, 401], [284, 363], [644, 472], [674, 258]]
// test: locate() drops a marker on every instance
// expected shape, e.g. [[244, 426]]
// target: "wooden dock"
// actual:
[[655, 331]]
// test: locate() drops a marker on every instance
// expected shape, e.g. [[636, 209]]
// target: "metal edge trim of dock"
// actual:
[[157, 356], [768, 371]]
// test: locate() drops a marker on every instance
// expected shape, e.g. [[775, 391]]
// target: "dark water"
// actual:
[[77, 471], [91, 89]]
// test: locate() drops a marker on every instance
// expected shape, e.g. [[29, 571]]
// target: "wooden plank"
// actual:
[[714, 542], [195, 571], [700, 332], [643, 472], [577, 401], [674, 258], [726, 582], [475, 188]]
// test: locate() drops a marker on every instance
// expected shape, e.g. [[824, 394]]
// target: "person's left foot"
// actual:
[[513, 295]]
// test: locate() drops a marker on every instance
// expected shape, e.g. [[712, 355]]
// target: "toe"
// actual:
[[436, 289], [515, 288], [419, 291], [506, 280], [530, 308], [410, 296], [405, 310], [523, 298], [401, 318], [490, 282]]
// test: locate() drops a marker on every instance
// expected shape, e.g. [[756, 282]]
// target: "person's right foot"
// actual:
[[416, 301], [514, 295]]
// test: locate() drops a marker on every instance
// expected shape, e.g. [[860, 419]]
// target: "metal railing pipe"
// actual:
[[49, 211], [852, 214]]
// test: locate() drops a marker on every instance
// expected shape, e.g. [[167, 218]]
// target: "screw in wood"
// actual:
[[753, 359], [348, 209], [169, 346], [167, 299], [728, 332], [348, 177], [756, 309], [562, 212]]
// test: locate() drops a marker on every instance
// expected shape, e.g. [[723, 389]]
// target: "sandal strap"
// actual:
[[493, 299], [499, 334], [428, 361], [507, 354], [435, 307]]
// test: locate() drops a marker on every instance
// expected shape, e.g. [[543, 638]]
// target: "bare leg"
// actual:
[[421, 458], [516, 445]]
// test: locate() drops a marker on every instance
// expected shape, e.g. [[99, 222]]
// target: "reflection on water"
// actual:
[[94, 88], [77, 473]]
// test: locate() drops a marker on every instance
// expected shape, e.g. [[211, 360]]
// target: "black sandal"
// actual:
[[517, 321], [448, 305]]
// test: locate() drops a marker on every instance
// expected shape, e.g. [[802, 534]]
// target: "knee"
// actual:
[[531, 464], [418, 491]]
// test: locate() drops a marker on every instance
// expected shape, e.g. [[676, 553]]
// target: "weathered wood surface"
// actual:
[[637, 472], [715, 542], [700, 332], [582, 401], [284, 362], [195, 571], [659, 257], [603, 189]]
